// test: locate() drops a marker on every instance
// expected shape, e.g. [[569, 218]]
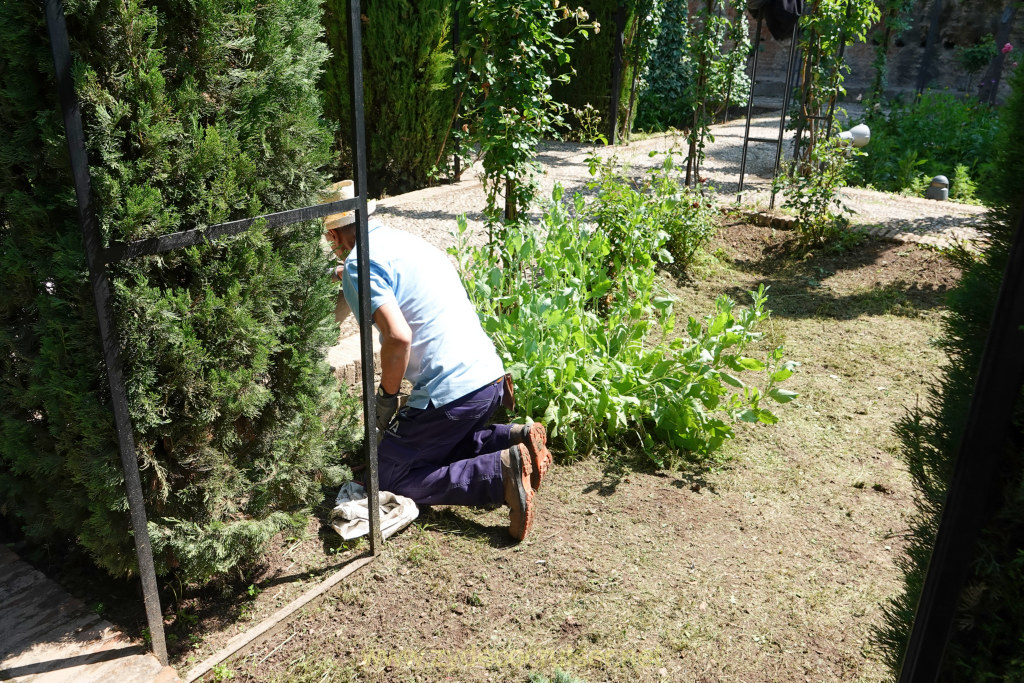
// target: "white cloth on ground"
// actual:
[[351, 514]]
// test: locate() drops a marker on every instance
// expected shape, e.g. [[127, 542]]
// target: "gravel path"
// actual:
[[432, 212]]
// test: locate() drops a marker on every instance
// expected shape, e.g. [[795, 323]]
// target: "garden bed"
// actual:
[[769, 565]]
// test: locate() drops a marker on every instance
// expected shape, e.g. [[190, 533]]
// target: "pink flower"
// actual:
[[1007, 48]]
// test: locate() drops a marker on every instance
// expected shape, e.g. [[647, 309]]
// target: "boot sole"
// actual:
[[518, 528], [536, 443]]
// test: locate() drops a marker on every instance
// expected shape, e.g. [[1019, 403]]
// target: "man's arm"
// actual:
[[396, 340]]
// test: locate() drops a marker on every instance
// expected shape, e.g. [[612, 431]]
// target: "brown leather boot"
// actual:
[[515, 476], [535, 438]]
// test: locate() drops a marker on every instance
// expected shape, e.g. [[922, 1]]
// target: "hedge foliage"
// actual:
[[986, 641], [593, 60], [194, 113], [409, 97]]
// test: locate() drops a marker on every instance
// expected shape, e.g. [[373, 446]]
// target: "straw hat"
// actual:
[[344, 189]]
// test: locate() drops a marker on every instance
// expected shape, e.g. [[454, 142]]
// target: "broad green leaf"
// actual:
[[783, 395]]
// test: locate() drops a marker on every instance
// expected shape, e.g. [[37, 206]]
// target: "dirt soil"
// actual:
[[769, 565]]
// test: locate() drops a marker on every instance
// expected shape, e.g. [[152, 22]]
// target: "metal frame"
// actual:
[[777, 141], [98, 257], [969, 500]]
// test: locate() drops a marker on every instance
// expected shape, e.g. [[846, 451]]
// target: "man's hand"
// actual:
[[387, 406]]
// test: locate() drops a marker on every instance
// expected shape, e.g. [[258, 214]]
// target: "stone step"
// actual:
[[47, 636]]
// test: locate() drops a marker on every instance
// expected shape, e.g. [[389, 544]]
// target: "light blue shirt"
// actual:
[[451, 355]]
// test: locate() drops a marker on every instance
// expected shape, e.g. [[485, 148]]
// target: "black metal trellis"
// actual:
[[969, 499], [98, 257], [777, 141]]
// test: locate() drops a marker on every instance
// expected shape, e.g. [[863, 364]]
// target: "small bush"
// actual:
[[590, 339], [961, 187], [812, 192], [683, 218]]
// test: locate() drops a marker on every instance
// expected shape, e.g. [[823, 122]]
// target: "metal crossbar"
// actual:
[[777, 140], [120, 251], [98, 256]]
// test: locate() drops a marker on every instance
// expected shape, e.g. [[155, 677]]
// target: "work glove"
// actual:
[[387, 406], [332, 272]]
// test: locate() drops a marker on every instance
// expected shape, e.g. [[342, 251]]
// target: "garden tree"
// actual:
[[408, 91], [697, 68], [594, 58], [194, 113], [511, 49], [718, 46], [985, 644], [973, 58]]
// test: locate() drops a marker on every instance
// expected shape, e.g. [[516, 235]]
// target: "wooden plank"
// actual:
[[268, 625]]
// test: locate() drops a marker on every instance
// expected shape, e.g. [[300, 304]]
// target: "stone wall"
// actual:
[[962, 23]]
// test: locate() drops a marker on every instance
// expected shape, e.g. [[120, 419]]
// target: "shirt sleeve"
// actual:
[[381, 286]]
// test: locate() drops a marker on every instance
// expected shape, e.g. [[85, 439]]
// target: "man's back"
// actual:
[[451, 355]]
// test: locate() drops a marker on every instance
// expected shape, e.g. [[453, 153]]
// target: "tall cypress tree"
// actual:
[[195, 112], [409, 99]]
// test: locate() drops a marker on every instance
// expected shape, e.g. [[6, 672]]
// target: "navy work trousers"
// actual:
[[447, 455]]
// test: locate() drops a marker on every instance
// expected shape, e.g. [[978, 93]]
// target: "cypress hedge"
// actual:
[[409, 98], [593, 59], [986, 641], [194, 113]]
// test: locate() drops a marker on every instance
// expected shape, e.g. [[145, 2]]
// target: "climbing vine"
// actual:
[[824, 35], [511, 54]]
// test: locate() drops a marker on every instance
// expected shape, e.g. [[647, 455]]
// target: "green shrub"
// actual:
[[812, 192], [985, 643], [408, 92], [927, 137], [961, 187], [590, 339], [684, 218], [194, 114]]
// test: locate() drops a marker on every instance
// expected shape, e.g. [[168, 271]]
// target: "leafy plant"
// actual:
[[930, 135], [973, 58], [961, 187], [512, 54], [813, 196], [222, 672], [676, 220], [590, 338], [823, 34]]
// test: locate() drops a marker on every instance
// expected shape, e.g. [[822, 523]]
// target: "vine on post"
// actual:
[[512, 53], [824, 34], [719, 49], [895, 19]]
